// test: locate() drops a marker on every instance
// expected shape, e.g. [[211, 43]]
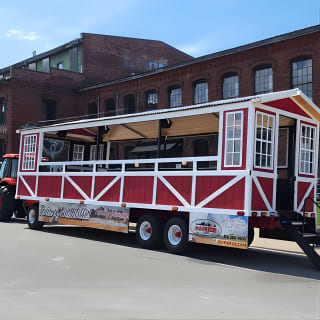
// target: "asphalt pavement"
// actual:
[[74, 273]]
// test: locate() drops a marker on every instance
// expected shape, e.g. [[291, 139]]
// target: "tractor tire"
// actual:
[[149, 231], [19, 210], [33, 218], [6, 203]]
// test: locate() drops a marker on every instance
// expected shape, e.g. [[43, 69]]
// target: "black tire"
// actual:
[[175, 235], [33, 218], [149, 239], [250, 236], [6, 203], [19, 210]]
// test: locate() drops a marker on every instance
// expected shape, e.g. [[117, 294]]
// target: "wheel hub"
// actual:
[[174, 235], [145, 230]]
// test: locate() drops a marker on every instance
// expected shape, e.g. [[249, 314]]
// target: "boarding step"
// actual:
[[309, 235], [302, 239], [297, 223]]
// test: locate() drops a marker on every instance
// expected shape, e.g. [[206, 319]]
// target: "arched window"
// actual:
[[263, 79], [151, 99], [129, 104], [109, 107], [92, 110], [301, 75], [175, 96], [200, 91], [230, 86]]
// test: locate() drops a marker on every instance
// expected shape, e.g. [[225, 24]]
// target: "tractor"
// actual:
[[8, 182]]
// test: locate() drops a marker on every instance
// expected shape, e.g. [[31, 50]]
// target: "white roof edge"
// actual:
[[305, 97], [263, 98]]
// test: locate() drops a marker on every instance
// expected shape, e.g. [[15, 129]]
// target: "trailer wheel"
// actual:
[[6, 203], [33, 218], [149, 231], [175, 235], [250, 236]]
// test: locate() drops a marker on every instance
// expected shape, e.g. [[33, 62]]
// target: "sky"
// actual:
[[197, 27]]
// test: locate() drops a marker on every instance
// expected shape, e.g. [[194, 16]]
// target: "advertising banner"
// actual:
[[92, 216], [219, 229]]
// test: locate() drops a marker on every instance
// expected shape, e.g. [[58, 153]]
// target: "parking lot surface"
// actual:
[[73, 273]]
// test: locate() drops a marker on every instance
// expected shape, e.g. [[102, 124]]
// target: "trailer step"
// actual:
[[309, 235], [297, 223], [302, 239]]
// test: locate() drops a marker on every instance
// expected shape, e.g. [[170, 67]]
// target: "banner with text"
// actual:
[[219, 229], [92, 216]]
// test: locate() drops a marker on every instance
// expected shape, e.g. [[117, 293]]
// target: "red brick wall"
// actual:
[[108, 57], [277, 54], [24, 93]]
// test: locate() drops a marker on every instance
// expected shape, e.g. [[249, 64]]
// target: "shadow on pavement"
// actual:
[[255, 259]]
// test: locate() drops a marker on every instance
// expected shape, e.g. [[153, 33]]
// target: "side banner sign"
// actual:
[[92, 216], [219, 229]]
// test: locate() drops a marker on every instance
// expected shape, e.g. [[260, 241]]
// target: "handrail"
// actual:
[[132, 161]]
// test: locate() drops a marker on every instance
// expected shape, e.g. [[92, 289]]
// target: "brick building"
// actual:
[[279, 63], [44, 87], [109, 75]]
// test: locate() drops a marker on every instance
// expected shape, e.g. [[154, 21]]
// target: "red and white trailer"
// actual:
[[257, 169]]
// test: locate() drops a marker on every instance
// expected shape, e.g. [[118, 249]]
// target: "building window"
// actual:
[[49, 111], [32, 66], [301, 76], [60, 65], [46, 65], [200, 92], [307, 141], [129, 104], [109, 108], [29, 152], [230, 86], [78, 152], [3, 110], [2, 147], [93, 152], [92, 110], [263, 80], [233, 139], [152, 65], [264, 141], [200, 148], [175, 97], [151, 99]]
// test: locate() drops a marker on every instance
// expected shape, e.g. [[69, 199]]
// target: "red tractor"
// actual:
[[8, 182]]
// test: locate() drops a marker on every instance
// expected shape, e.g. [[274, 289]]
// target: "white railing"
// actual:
[[85, 167]]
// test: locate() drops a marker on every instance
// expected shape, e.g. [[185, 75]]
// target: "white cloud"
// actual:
[[13, 33]]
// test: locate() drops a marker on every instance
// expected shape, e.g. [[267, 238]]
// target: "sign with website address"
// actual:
[[219, 229]]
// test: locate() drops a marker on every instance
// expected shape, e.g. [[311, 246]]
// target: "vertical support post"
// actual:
[[40, 148], [159, 140], [249, 156], [96, 156], [275, 161], [296, 166], [220, 140]]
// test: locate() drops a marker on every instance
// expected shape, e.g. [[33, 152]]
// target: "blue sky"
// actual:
[[197, 27]]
